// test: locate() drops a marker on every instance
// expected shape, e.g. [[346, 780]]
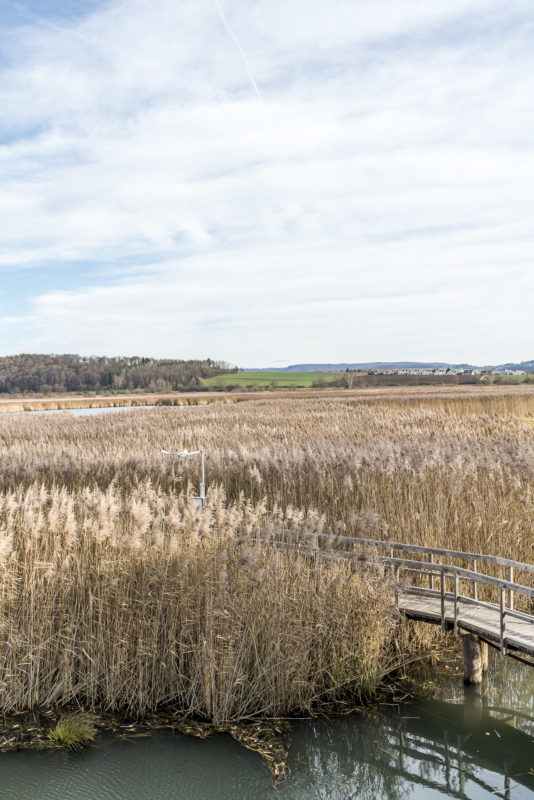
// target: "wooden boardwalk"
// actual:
[[443, 587], [464, 592], [482, 620]]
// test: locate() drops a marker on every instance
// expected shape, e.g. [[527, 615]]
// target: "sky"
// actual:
[[268, 182]]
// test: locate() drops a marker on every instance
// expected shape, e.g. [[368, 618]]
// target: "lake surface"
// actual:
[[87, 412], [456, 745]]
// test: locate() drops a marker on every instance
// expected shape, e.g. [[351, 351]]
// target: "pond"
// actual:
[[80, 412], [87, 412], [459, 744]]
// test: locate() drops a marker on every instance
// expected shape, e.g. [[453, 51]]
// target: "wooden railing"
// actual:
[[457, 574], [432, 570]]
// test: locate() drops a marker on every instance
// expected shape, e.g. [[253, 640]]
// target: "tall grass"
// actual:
[[116, 592], [136, 603]]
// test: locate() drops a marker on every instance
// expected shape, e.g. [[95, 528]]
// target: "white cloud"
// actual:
[[376, 202]]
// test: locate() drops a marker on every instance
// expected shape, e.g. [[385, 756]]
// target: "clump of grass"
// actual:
[[72, 732]]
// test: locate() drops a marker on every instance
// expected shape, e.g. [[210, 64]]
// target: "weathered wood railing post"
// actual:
[[455, 628], [510, 593], [502, 609], [442, 587]]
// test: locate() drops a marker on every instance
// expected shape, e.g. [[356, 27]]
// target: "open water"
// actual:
[[87, 412], [460, 744]]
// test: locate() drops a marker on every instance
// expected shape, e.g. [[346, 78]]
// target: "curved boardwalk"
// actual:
[[435, 585], [464, 592]]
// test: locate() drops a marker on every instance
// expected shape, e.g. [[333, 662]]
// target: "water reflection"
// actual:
[[461, 744], [420, 750], [87, 412]]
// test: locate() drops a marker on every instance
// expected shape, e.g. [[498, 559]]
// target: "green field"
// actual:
[[284, 380], [528, 378]]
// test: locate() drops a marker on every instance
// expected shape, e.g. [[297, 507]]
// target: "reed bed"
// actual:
[[8, 405], [445, 471], [117, 593], [135, 604]]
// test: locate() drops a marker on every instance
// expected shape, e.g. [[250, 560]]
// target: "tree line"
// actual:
[[45, 374]]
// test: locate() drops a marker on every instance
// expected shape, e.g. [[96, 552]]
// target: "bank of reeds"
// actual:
[[134, 604], [20, 405], [115, 592]]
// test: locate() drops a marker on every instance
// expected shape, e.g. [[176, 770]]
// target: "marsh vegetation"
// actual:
[[117, 593]]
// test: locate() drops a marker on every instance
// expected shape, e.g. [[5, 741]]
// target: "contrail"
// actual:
[[48, 23], [240, 49]]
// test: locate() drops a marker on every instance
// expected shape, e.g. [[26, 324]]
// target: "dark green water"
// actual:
[[456, 745]]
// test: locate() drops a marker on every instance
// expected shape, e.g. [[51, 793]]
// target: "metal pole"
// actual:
[[201, 500], [202, 478]]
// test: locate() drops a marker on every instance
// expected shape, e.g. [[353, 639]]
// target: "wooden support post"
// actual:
[[484, 651], [473, 659]]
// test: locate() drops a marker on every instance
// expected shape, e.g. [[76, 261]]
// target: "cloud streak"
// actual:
[[239, 48], [48, 23]]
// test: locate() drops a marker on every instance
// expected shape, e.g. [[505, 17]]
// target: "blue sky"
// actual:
[[268, 181]]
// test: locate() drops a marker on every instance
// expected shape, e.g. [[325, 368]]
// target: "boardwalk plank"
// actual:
[[479, 619]]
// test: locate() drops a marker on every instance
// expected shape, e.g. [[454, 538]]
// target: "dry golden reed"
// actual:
[[134, 604], [116, 592]]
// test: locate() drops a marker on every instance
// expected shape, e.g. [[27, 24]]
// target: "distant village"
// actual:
[[440, 371]]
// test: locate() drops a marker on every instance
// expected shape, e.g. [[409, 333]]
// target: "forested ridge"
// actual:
[[38, 373]]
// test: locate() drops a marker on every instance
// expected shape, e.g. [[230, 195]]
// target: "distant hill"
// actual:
[[46, 374], [526, 365]]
